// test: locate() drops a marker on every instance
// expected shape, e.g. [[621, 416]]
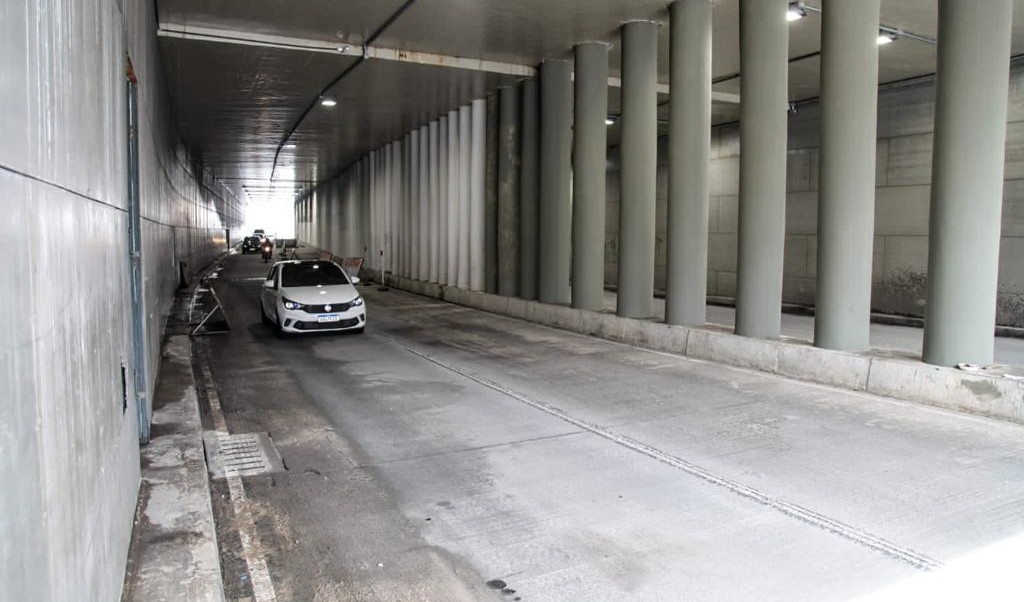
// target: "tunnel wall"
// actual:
[[69, 459], [903, 188]]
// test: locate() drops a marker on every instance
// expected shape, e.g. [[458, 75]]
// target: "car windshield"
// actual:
[[312, 273]]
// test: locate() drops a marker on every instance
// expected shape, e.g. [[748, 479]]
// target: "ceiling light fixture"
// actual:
[[796, 11], [609, 121], [290, 145], [887, 35], [327, 100]]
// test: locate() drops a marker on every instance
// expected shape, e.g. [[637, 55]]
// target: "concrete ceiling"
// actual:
[[236, 102]]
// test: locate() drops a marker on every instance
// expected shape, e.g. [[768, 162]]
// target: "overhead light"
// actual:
[[327, 100], [290, 145], [344, 48], [796, 11], [609, 121], [887, 36]]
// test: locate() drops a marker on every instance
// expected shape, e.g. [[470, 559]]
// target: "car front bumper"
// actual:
[[294, 321]]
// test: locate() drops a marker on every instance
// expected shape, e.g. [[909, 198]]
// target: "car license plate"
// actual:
[[329, 318]]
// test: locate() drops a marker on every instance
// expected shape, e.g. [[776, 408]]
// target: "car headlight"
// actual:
[[289, 304], [356, 302]]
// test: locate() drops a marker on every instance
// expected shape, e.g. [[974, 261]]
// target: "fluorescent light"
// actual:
[[328, 101], [795, 12], [609, 121], [290, 145], [886, 38]]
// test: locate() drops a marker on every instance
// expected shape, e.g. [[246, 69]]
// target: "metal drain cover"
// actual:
[[242, 454]]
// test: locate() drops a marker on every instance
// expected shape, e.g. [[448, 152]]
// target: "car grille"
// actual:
[[322, 309], [326, 325]]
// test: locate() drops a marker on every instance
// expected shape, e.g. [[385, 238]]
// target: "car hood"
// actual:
[[319, 295]]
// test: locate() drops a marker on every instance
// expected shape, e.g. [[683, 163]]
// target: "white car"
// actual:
[[311, 296]]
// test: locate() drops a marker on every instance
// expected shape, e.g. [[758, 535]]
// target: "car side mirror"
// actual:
[[355, 279], [268, 284]]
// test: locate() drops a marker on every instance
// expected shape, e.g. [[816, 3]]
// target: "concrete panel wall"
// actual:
[[903, 188], [68, 437]]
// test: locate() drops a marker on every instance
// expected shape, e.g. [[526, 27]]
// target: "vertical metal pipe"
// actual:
[[689, 153], [529, 191], [639, 151], [590, 155], [442, 201], [465, 198], [454, 186], [967, 180], [477, 194], [846, 197], [508, 192], [555, 213], [764, 42], [435, 225]]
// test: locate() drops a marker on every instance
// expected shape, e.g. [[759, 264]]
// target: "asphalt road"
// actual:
[[450, 454]]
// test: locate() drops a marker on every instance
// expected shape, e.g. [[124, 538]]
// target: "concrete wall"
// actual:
[[903, 179], [69, 459], [336, 218]]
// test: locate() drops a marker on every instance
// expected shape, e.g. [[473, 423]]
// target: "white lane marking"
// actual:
[[805, 515], [255, 562]]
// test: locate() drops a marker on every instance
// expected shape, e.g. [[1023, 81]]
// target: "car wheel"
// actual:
[[263, 316]]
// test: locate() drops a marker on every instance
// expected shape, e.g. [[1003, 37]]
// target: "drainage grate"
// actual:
[[242, 454]]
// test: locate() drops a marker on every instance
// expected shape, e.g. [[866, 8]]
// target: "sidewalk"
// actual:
[[1009, 351], [173, 555]]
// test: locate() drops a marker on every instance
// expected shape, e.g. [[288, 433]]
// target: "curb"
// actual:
[[895, 377]]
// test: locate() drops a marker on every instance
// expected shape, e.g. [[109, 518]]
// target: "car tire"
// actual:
[[263, 316]]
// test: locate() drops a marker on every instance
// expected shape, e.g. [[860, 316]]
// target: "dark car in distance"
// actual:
[[250, 244]]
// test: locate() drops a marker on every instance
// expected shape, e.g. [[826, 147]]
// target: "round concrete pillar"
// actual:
[[689, 151], [764, 68], [590, 154], [639, 158], [555, 172], [967, 180]]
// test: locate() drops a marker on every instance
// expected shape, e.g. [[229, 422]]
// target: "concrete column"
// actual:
[[491, 197], [407, 238], [639, 152], [689, 151], [529, 190], [967, 180], [477, 209], [371, 185], [465, 200], [454, 186], [590, 155], [389, 217], [442, 201], [555, 213], [508, 192], [764, 41], [414, 209], [435, 213], [846, 196], [423, 253]]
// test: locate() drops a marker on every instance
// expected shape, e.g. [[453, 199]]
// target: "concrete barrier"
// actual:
[[888, 376]]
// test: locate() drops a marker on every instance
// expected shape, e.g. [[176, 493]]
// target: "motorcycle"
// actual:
[[268, 251]]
